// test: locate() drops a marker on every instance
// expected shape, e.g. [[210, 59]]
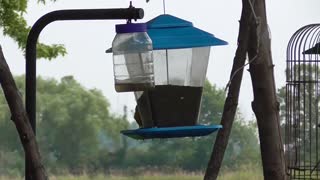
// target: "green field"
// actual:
[[244, 174], [229, 176]]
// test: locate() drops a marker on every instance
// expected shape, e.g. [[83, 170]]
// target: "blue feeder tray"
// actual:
[[171, 132]]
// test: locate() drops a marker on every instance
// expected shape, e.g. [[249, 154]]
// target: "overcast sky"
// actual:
[[86, 41]]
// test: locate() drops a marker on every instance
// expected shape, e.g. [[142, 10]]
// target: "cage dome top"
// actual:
[[170, 32]]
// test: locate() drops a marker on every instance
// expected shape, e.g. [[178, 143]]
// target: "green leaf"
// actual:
[[15, 26]]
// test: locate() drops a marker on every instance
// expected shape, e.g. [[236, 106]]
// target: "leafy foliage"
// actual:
[[74, 125], [14, 25]]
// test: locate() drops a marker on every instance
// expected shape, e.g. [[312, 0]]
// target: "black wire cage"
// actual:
[[302, 125]]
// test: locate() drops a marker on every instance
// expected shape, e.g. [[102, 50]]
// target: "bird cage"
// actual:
[[302, 124]]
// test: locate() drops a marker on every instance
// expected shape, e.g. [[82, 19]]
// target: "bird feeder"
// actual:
[[171, 108]]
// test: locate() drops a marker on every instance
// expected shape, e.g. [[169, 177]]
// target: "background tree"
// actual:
[[75, 126], [14, 25]]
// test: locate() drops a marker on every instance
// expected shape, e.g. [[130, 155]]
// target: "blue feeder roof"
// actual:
[[169, 32], [171, 132]]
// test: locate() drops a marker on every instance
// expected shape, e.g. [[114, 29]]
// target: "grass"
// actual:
[[232, 176], [243, 173], [147, 177], [239, 175], [236, 175]]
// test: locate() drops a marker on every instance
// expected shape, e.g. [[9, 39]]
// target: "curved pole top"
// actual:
[[31, 50], [63, 15]]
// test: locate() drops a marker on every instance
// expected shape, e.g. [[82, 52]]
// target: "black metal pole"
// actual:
[[31, 48]]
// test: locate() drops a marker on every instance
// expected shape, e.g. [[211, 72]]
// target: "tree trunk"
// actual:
[[265, 104], [231, 102], [254, 40], [21, 121]]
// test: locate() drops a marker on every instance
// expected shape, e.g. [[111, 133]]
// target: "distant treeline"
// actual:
[[77, 133]]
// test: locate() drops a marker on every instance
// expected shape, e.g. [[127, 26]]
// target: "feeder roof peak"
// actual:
[[168, 21]]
